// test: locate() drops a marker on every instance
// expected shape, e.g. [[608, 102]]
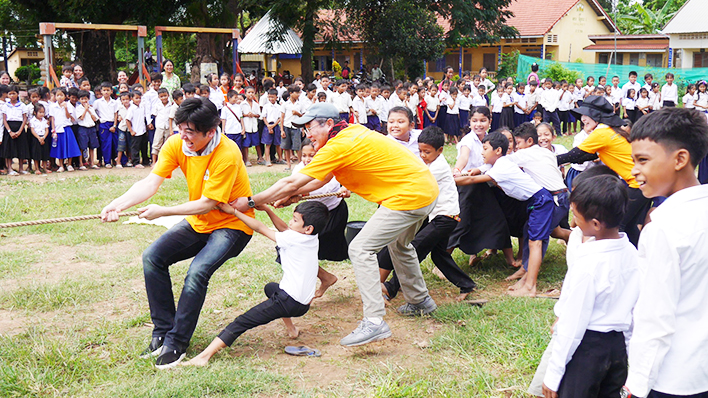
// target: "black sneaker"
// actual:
[[169, 358], [154, 349]]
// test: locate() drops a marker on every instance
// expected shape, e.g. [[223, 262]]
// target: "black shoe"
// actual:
[[169, 358], [154, 349]]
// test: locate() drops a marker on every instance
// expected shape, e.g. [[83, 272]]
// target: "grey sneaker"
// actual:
[[367, 332], [425, 307]]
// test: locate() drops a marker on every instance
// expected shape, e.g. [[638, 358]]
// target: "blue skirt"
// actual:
[[452, 124], [703, 171], [66, 145], [427, 122], [569, 176], [464, 118]]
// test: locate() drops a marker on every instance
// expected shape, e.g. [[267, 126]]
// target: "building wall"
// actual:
[[688, 44], [23, 57], [572, 32]]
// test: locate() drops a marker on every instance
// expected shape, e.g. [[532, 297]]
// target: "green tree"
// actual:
[[646, 17]]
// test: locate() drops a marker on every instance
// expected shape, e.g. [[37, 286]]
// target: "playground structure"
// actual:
[[48, 30]]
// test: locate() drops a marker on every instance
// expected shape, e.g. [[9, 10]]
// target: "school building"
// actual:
[[688, 36], [557, 30], [639, 50], [21, 56]]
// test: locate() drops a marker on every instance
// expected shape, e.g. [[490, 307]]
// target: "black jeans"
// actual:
[[179, 243], [279, 305], [598, 367], [432, 238], [138, 148]]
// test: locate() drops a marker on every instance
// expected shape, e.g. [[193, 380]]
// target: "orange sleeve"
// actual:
[[168, 160]]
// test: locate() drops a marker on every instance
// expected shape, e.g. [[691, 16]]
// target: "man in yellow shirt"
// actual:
[[215, 174], [381, 171]]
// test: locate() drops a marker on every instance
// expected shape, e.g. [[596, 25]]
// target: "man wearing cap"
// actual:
[[215, 173], [383, 172], [609, 142]]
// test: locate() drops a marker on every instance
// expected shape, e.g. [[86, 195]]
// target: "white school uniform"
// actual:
[[656, 102], [550, 99], [453, 107], [162, 115], [520, 100], [87, 121], [541, 164], [217, 97], [360, 106], [670, 93], [627, 86], [122, 113], [642, 102], [106, 110], [385, 107], [475, 160], [16, 112], [59, 115], [616, 93], [375, 104], [149, 100], [431, 104], [688, 101], [565, 100], [136, 116], [668, 349], [588, 90], [412, 143], [271, 112], [444, 98], [448, 202], [298, 257], [499, 101], [577, 140], [465, 102], [250, 123], [629, 103], [599, 293], [479, 101], [343, 102], [230, 113], [412, 103], [514, 182], [394, 101], [288, 115], [40, 126]]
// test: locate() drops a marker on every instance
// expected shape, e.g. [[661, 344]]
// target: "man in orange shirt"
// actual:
[[381, 171], [215, 174]]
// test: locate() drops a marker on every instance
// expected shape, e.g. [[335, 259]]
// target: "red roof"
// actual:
[[638, 46]]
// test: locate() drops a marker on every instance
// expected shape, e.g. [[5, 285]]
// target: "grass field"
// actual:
[[74, 316]]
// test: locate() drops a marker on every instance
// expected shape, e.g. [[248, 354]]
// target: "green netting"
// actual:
[[682, 76]]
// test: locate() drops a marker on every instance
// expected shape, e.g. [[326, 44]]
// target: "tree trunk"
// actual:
[[94, 50], [308, 41], [204, 54]]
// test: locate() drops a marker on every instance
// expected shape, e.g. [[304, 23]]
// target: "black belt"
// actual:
[[554, 193]]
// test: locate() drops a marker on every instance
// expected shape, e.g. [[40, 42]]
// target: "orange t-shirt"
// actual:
[[375, 167], [220, 176], [614, 151]]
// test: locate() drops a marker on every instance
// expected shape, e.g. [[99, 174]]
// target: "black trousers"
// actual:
[[138, 148], [598, 368], [552, 117], [655, 394], [432, 238], [279, 305], [564, 117]]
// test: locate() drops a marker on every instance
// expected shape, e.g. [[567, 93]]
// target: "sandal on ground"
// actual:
[[302, 351]]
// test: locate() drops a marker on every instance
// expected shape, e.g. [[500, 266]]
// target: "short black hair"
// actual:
[[603, 198], [313, 213], [273, 91], [632, 73], [433, 136], [403, 110], [83, 79], [497, 140], [525, 131], [675, 128], [106, 85], [293, 88], [305, 142], [163, 90], [136, 93], [155, 76], [125, 94], [231, 94], [310, 87], [84, 93], [593, 171], [199, 111], [188, 88], [72, 91]]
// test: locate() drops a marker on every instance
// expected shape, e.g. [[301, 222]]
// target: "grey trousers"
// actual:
[[395, 229]]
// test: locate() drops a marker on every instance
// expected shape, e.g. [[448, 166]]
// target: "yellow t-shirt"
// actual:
[[614, 151], [375, 167], [220, 176]]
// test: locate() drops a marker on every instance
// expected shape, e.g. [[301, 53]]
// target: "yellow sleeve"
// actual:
[[597, 140], [328, 159], [221, 180], [167, 162]]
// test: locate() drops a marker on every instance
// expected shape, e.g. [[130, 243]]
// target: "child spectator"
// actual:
[[564, 105], [297, 245], [374, 107], [497, 102], [519, 98], [690, 98], [15, 142], [481, 98], [631, 85], [520, 186], [465, 106], [648, 79], [452, 120], [342, 100], [212, 91], [667, 351], [669, 92], [148, 102], [589, 88], [135, 120], [617, 95], [630, 106], [64, 146], [589, 354], [39, 126], [106, 109], [359, 105], [432, 108], [87, 117], [232, 120], [550, 100], [310, 96], [401, 128], [161, 119], [272, 115], [225, 85], [432, 238], [251, 113], [189, 90], [642, 105], [66, 81], [177, 98], [124, 140], [322, 97], [292, 136]]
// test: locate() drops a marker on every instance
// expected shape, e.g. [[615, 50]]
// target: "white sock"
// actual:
[[375, 320]]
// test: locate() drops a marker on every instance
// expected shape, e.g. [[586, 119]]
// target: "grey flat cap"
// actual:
[[317, 110]]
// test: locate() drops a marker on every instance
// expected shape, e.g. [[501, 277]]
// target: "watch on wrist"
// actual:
[[251, 202]]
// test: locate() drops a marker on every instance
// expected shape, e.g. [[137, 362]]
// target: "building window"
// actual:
[[604, 58], [489, 61], [700, 60], [634, 59], [656, 60], [552, 39]]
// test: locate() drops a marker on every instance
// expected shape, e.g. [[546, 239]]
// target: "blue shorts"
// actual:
[[541, 209], [373, 123], [560, 212], [237, 138], [88, 138], [344, 116], [251, 139], [122, 141], [271, 139]]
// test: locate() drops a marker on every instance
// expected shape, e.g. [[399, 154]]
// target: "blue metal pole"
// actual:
[[236, 61], [460, 65], [158, 44]]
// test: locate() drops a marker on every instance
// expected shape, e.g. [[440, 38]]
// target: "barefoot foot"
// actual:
[[196, 361], [326, 281], [462, 296], [293, 332], [523, 291], [516, 275]]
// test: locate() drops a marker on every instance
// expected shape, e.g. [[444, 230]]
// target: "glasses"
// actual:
[[308, 130]]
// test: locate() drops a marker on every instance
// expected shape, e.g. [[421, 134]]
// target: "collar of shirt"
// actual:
[[207, 151]]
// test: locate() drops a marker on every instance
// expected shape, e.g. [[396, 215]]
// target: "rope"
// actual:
[[63, 219], [324, 195]]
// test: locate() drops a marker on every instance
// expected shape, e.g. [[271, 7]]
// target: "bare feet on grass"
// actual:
[[523, 291], [520, 273], [462, 297], [521, 282], [326, 281], [196, 361], [293, 332]]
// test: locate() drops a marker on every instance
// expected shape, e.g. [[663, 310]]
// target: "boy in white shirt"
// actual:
[[383, 115], [342, 100], [123, 134], [272, 116], [374, 107], [106, 108], [232, 124], [359, 106], [589, 353], [149, 101], [481, 98], [292, 136], [177, 98], [297, 245], [632, 83], [251, 113], [325, 80], [617, 94], [519, 98], [667, 351], [669, 92], [161, 119], [135, 121], [549, 100], [520, 186], [87, 117]]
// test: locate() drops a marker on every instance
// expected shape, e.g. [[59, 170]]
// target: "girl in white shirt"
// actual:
[[41, 142], [66, 146], [15, 144], [589, 89], [642, 104], [432, 107], [630, 111], [702, 98], [452, 123], [690, 98]]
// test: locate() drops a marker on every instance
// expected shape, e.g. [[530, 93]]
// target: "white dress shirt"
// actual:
[[541, 164], [475, 159], [448, 202], [599, 293], [412, 143], [514, 182], [668, 351], [670, 93], [342, 101], [251, 123], [359, 106], [627, 86], [106, 110]]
